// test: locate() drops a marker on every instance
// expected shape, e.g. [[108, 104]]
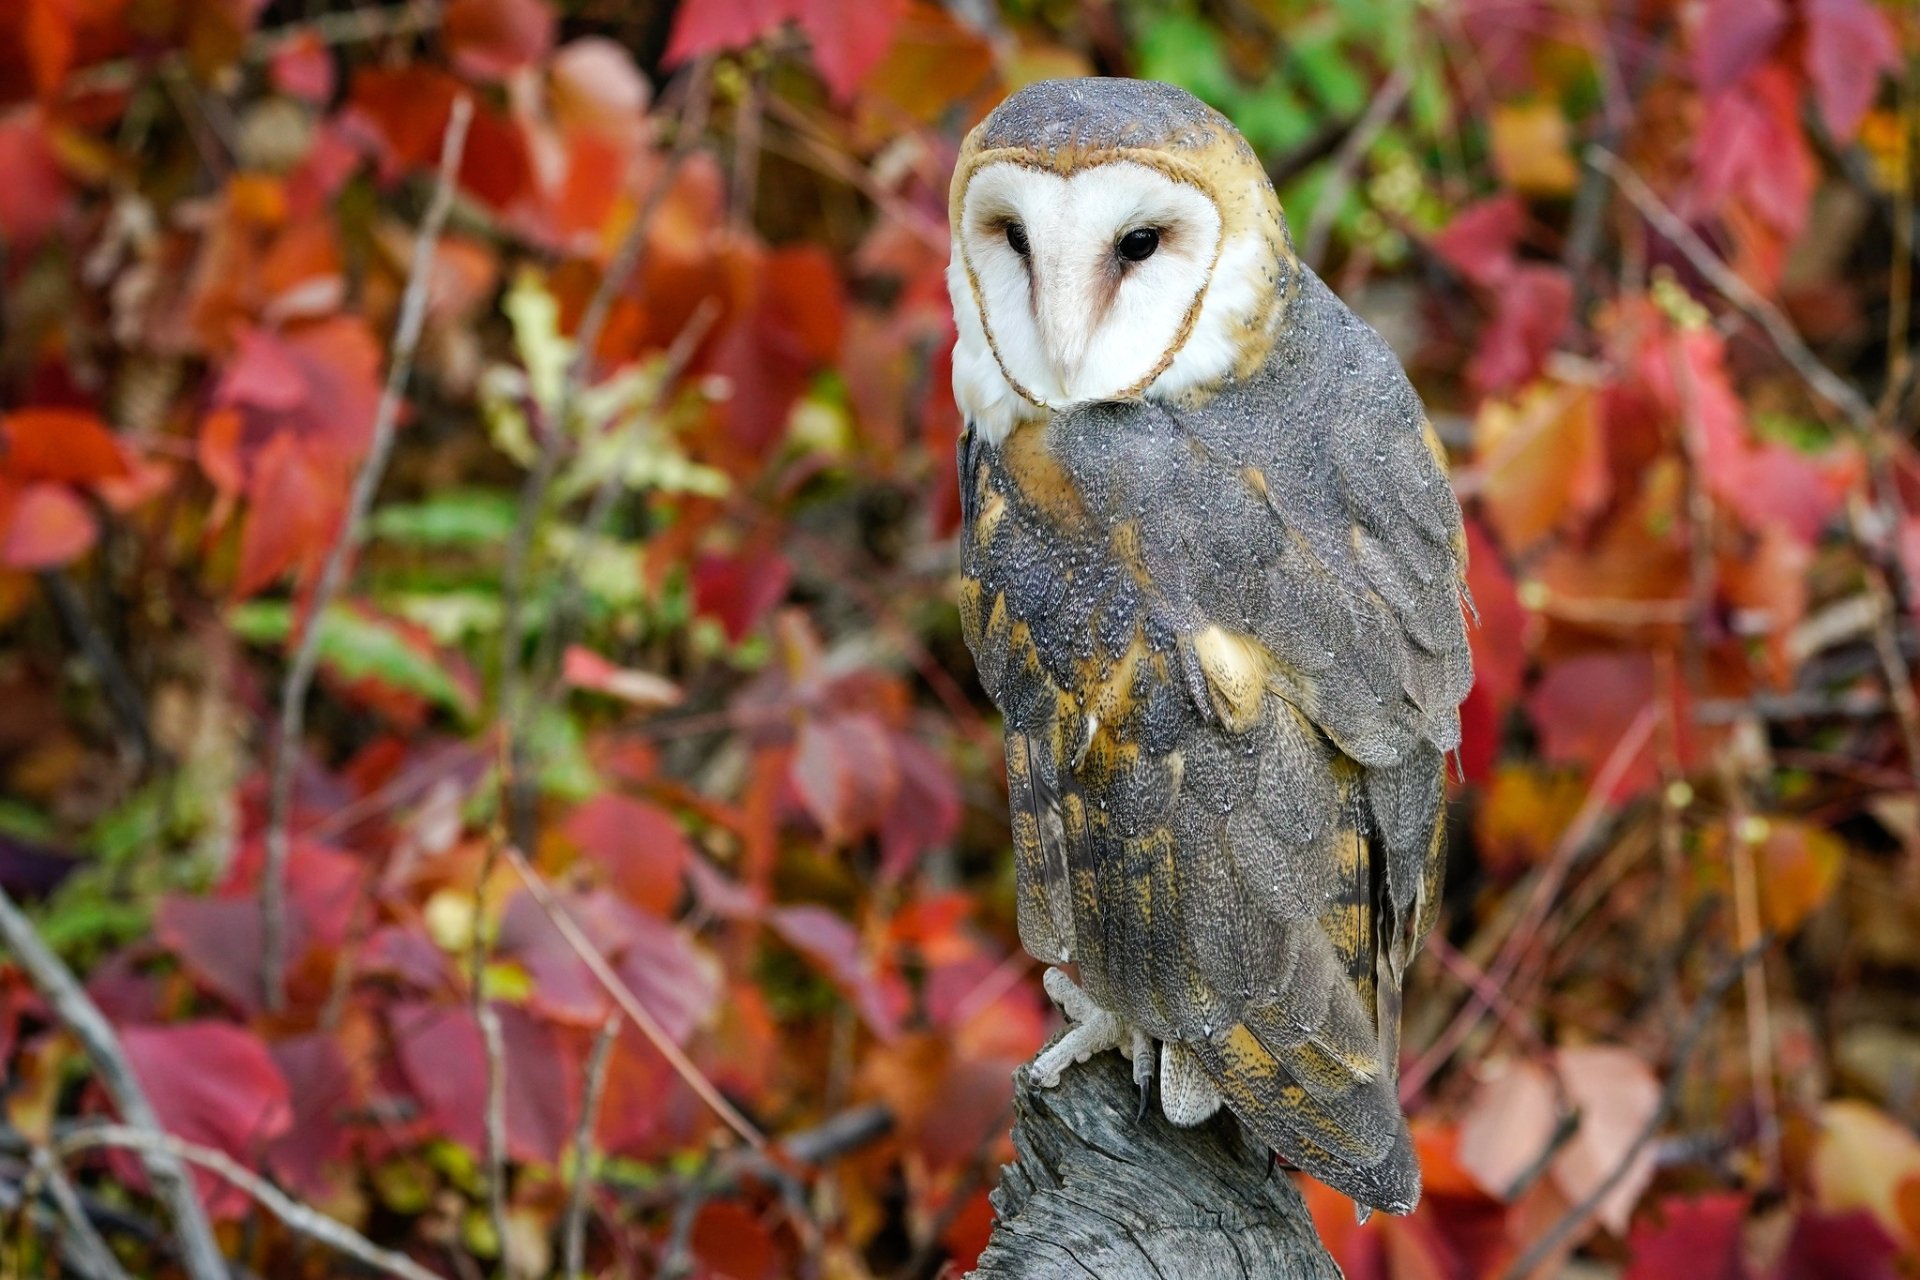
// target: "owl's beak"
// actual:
[[1065, 322]]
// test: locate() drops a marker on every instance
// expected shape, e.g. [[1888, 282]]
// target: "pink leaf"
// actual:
[[1734, 35], [213, 1084], [844, 771], [1849, 47], [44, 526], [638, 846]]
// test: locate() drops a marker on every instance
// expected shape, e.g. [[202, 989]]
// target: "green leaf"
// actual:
[[1324, 68], [460, 518], [357, 645], [1185, 51]]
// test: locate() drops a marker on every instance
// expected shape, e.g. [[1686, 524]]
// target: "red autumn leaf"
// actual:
[[1850, 46], [848, 36], [1824, 1246], [443, 1054], [1750, 147], [491, 39], [1765, 484], [844, 772], [793, 326], [295, 507], [403, 112], [323, 1087], [1482, 240], [740, 589], [637, 846], [44, 526], [835, 948], [68, 446], [1499, 652], [1732, 37], [731, 1244], [1583, 708], [667, 971], [218, 938], [302, 67], [214, 1084], [1530, 312], [33, 199], [1697, 1239], [925, 812]]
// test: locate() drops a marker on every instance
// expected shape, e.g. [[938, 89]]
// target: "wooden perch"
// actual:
[[1095, 1192]]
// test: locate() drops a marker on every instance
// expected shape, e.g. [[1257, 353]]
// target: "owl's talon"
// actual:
[[1090, 1030]]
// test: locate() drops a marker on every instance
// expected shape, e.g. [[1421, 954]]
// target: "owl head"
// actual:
[[1112, 240]]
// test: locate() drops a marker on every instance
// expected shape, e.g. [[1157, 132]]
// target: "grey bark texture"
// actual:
[[1095, 1192]]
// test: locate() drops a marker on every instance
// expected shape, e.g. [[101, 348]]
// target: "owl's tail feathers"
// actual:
[[1351, 1136]]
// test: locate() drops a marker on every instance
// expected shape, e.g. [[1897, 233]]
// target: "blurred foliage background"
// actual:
[[476, 493]]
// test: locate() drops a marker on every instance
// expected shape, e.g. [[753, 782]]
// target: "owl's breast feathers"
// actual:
[[1229, 647]]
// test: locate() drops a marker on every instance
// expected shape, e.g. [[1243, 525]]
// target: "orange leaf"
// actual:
[[1543, 462], [1530, 149], [294, 506], [69, 446]]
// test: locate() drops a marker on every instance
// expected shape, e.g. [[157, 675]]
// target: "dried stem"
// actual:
[[496, 1118], [1824, 382], [1353, 153], [301, 1218], [366, 482], [1683, 1049], [199, 1254], [574, 1229], [88, 1250], [1742, 835], [1592, 809], [629, 1004]]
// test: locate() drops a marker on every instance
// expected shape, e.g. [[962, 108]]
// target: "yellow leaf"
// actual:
[[1860, 1161], [1530, 150]]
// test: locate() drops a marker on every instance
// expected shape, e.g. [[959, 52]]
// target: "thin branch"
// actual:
[[1576, 1217], [496, 1114], [122, 694], [1353, 153], [1823, 381], [574, 1231], [199, 1254], [1585, 822], [88, 1250], [351, 26], [298, 1217], [306, 657], [629, 1004]]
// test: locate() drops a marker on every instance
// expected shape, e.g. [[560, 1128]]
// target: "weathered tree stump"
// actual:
[[1095, 1192]]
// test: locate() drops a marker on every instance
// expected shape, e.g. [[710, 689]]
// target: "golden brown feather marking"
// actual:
[[1042, 482], [1237, 668]]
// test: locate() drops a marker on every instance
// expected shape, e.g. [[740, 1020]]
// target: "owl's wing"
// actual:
[[1229, 647]]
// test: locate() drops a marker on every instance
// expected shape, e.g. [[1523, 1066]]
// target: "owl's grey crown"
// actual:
[[1099, 112]]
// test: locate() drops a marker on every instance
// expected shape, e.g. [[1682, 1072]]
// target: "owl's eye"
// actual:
[[1017, 239], [1138, 244]]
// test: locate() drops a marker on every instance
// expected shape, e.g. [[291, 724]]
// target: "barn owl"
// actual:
[[1212, 575]]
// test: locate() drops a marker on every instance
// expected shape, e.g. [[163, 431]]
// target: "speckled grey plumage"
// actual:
[[1344, 570], [1098, 112]]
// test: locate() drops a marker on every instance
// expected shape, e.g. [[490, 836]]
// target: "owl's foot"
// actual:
[[1090, 1030]]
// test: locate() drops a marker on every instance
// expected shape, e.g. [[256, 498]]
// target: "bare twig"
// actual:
[[1385, 106], [122, 694], [348, 26], [1683, 1050], [298, 1217], [1742, 834], [629, 1004], [495, 1127], [199, 1255], [1823, 381], [306, 656], [89, 1251], [574, 1231], [1585, 821]]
